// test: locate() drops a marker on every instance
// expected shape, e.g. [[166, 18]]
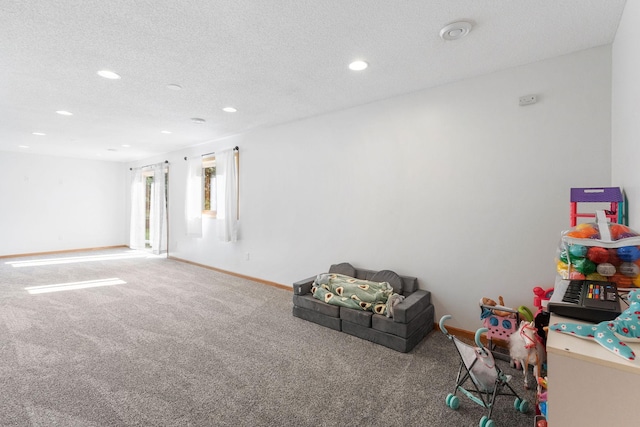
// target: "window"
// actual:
[[209, 207], [148, 177], [209, 183]]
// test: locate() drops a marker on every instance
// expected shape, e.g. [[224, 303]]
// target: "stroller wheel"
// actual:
[[521, 405], [524, 406], [452, 401], [516, 403], [486, 422]]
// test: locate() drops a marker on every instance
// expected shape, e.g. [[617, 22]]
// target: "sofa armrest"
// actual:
[[303, 287], [411, 306]]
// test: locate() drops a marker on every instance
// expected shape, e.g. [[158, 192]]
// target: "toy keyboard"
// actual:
[[588, 300]]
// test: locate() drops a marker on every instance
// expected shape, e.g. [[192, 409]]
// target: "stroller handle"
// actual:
[[441, 324], [477, 337], [479, 333]]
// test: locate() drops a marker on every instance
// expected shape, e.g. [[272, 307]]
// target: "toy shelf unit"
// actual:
[[611, 195]]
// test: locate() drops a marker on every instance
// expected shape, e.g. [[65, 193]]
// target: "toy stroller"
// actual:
[[479, 370]]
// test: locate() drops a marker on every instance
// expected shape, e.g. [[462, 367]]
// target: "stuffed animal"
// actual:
[[525, 346], [392, 301], [611, 333], [486, 303]]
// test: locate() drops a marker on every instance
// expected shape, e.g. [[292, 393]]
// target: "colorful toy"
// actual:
[[542, 390], [526, 347], [611, 334], [597, 254], [487, 305], [600, 251], [540, 296], [612, 195], [541, 420], [479, 377], [499, 321], [605, 269], [525, 313]]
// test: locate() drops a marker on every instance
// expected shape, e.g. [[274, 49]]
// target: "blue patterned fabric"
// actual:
[[611, 334]]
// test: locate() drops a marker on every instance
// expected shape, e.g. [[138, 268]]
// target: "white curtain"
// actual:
[[227, 195], [137, 228], [193, 200], [158, 211]]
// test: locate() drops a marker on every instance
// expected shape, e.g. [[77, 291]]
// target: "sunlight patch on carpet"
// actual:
[[88, 258], [74, 285]]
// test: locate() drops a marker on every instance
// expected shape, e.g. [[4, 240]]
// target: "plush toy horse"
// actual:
[[525, 347], [611, 333]]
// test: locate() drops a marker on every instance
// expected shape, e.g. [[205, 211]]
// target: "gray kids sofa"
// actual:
[[413, 317]]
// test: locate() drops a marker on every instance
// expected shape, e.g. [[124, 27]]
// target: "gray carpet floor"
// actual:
[[172, 344]]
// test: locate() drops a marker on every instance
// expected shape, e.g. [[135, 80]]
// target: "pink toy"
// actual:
[[500, 327], [500, 321], [541, 295]]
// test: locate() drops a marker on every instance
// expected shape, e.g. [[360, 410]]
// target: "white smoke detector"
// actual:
[[455, 30]]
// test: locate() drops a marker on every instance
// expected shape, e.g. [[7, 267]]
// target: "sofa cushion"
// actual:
[[359, 317], [343, 268], [411, 306], [390, 277], [394, 342], [315, 317], [302, 287], [409, 285], [404, 330], [310, 303]]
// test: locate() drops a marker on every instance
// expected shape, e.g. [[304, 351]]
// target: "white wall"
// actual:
[[626, 110], [54, 203], [457, 185]]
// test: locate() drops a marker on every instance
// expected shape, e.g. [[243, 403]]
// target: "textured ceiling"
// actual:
[[274, 60]]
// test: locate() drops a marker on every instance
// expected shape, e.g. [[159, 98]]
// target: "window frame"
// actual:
[[208, 161]]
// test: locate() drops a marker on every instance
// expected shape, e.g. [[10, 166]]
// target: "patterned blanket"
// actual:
[[359, 294]]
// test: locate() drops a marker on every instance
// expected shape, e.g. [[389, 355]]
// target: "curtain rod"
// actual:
[[213, 152], [146, 166]]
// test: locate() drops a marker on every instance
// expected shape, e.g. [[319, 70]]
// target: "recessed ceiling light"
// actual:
[[229, 109], [126, 145], [23, 146], [108, 75], [165, 131], [455, 30], [38, 133], [173, 86], [358, 65], [198, 120], [64, 113]]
